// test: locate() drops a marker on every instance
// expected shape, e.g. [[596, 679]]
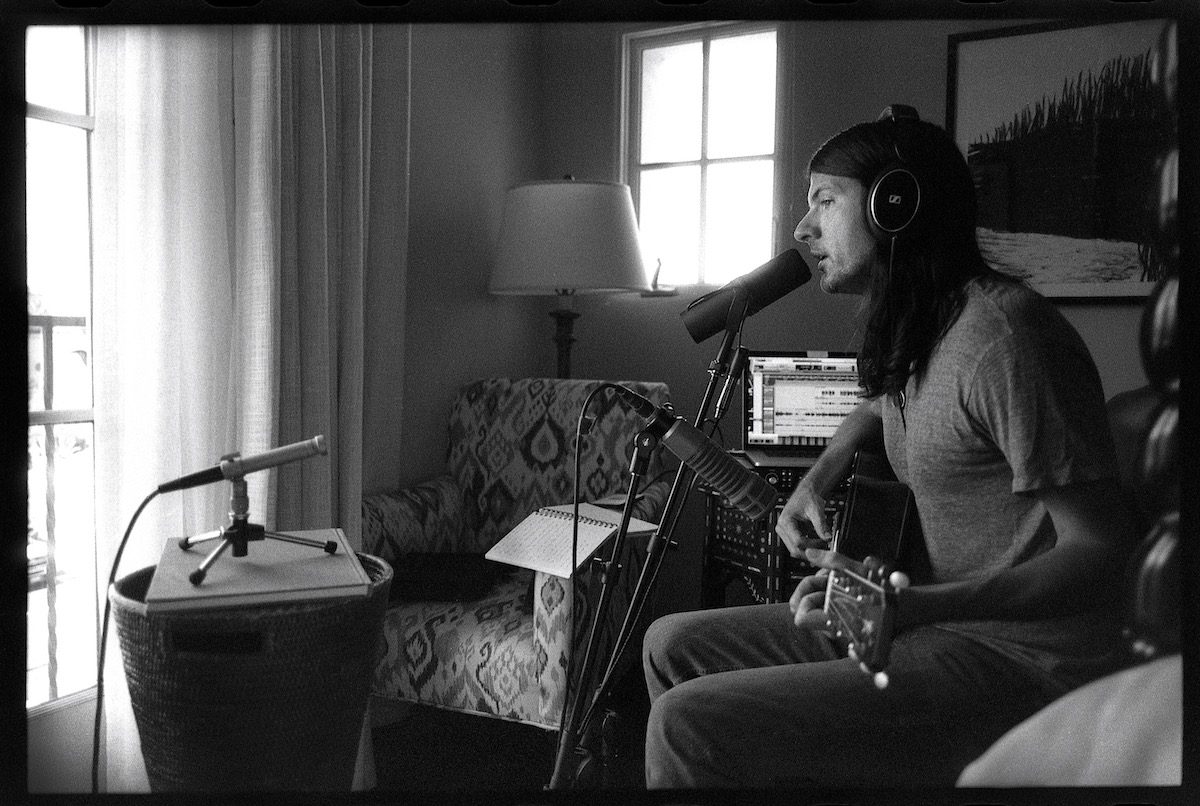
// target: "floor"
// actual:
[[429, 749]]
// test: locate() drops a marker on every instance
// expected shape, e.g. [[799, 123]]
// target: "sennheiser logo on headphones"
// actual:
[[894, 199]]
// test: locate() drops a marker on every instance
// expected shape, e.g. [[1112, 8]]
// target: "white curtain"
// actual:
[[325, 149], [228, 278]]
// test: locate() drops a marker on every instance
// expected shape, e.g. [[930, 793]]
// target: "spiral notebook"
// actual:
[[543, 540]]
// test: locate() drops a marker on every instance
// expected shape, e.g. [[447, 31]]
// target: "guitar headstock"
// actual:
[[879, 528], [860, 605]]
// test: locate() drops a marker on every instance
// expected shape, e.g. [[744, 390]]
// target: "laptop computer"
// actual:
[[792, 402]]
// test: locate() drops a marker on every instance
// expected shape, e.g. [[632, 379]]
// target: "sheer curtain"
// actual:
[[325, 148], [228, 287]]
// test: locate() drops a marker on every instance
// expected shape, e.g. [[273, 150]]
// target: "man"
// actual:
[[991, 410]]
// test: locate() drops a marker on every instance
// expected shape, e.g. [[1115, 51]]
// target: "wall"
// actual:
[[473, 134]]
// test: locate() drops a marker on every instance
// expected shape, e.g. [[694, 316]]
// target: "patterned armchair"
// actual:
[[511, 451]]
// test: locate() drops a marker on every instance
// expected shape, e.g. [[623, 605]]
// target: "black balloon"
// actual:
[[1159, 337]]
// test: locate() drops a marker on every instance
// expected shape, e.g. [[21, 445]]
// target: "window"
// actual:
[[62, 613], [700, 148]]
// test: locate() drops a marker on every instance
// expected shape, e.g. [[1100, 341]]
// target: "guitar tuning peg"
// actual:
[[899, 580]]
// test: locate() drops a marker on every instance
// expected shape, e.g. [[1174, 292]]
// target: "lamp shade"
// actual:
[[568, 236]]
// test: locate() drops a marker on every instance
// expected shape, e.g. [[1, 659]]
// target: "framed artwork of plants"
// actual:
[[1063, 130]]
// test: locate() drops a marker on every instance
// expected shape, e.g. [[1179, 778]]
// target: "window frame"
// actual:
[[48, 418], [633, 44]]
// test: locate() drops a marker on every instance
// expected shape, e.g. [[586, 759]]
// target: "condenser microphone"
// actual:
[[709, 314], [235, 466], [747, 491]]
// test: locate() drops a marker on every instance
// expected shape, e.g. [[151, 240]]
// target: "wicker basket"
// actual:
[[269, 697]]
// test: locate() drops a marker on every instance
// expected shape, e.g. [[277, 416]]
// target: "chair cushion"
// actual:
[[468, 656], [421, 576]]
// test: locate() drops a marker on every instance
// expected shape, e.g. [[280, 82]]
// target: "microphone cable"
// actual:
[[112, 576], [584, 426]]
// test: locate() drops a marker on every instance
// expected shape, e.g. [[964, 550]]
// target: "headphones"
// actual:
[[894, 197]]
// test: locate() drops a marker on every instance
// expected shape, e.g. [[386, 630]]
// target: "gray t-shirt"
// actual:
[[1009, 403]]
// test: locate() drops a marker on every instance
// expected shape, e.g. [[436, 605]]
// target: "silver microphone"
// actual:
[[235, 466]]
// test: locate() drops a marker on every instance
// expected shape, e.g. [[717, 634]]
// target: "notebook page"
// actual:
[[543, 540]]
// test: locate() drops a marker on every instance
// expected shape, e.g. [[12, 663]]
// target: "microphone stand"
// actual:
[[656, 550], [240, 531], [569, 742]]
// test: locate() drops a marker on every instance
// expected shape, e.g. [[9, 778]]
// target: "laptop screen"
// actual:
[[794, 401]]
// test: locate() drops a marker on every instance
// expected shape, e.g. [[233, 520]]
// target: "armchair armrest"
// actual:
[[556, 603], [428, 516]]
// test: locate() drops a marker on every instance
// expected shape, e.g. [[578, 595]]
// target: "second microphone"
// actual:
[[747, 491]]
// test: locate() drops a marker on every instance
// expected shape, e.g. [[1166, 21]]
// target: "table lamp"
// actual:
[[565, 237]]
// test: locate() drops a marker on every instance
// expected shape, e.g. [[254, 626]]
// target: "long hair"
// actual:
[[916, 291]]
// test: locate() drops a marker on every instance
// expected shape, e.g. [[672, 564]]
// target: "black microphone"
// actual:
[[771, 281], [747, 491], [235, 466]]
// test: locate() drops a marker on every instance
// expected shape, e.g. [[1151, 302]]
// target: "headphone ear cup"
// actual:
[[893, 200]]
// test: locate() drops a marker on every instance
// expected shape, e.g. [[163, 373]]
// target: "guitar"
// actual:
[[878, 530]]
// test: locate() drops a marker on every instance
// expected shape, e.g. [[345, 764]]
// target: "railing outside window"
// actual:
[[61, 611], [60, 547]]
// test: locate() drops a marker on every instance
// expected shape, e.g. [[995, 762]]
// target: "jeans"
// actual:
[[741, 697]]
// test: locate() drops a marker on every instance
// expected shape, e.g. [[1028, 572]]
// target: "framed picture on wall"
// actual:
[[1063, 129]]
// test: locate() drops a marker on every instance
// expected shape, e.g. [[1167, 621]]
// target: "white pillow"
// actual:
[[1125, 729]]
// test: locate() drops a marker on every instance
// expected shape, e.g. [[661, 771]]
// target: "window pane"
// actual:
[[737, 219], [57, 219], [37, 373], [672, 94], [72, 368], [741, 96], [670, 222], [55, 73], [61, 621]]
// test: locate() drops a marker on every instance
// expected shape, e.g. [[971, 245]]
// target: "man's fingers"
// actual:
[[825, 558], [810, 584], [797, 536], [819, 528], [812, 616], [814, 582]]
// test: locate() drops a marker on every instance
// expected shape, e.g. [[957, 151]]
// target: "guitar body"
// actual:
[[881, 531]]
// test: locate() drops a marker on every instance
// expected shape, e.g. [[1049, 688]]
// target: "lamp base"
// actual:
[[565, 323]]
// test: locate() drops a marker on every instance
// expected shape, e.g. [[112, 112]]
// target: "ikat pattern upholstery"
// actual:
[[511, 450]]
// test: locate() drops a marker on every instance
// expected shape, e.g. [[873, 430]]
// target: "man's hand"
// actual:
[[801, 523], [808, 602]]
